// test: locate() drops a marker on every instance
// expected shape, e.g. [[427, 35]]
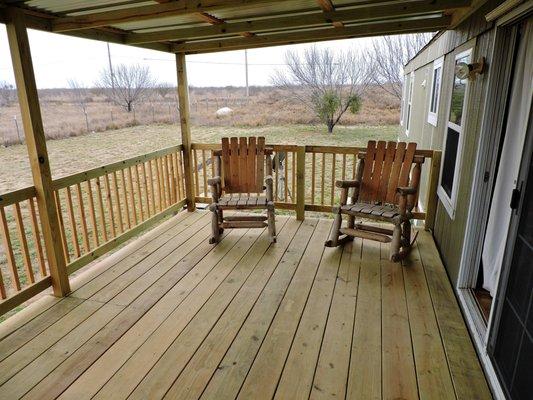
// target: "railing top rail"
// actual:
[[17, 196], [310, 148]]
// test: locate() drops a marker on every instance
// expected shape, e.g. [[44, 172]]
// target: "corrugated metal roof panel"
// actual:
[[79, 7]]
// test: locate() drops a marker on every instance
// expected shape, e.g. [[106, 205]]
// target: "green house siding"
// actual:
[[477, 34]]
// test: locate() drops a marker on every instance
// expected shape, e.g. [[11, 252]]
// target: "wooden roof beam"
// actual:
[[327, 6], [295, 21], [142, 13], [364, 30], [217, 21]]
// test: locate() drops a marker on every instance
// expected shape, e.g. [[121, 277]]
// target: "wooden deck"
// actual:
[[172, 316]]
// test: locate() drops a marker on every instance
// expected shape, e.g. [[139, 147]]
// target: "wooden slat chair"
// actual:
[[240, 184], [385, 189]]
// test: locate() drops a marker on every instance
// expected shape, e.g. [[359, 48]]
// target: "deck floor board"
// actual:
[[170, 316]]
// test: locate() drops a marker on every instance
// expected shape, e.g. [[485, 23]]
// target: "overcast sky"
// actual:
[[57, 58]]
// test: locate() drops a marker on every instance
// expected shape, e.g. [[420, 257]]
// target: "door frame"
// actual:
[[493, 126]]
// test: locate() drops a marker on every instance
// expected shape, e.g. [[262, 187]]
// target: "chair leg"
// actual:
[[271, 223], [335, 231], [215, 227], [395, 243], [406, 234]]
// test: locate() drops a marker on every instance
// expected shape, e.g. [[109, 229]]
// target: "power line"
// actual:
[[218, 62]]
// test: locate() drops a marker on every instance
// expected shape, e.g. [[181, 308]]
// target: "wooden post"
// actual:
[[300, 183], [431, 206], [183, 98], [37, 152]]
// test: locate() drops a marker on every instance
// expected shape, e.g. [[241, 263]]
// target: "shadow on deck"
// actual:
[[171, 316]]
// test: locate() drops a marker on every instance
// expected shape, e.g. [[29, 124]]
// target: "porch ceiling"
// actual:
[[191, 26]]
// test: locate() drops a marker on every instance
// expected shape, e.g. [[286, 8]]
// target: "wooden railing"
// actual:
[[103, 207], [304, 176], [98, 210]]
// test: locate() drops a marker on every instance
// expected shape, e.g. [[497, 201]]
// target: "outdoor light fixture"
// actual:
[[464, 70]]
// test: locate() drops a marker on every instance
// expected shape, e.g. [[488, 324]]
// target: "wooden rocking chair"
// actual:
[[385, 189], [241, 185]]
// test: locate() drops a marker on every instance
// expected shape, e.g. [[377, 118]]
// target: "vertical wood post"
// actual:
[[431, 206], [37, 152], [183, 98], [300, 183]]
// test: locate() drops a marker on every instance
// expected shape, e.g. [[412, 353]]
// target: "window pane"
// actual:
[[436, 89], [450, 155], [458, 96]]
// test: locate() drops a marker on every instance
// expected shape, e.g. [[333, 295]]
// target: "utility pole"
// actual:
[[110, 67], [246, 67]]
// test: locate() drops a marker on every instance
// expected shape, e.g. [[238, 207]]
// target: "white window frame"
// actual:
[[404, 100], [450, 202], [433, 116], [409, 105]]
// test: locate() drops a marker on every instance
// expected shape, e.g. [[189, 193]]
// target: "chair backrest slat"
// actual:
[[243, 161], [387, 166]]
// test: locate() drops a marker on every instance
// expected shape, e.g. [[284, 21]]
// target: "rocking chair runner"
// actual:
[[240, 185], [385, 189]]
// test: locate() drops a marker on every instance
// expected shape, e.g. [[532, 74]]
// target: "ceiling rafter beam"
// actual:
[[364, 30], [413, 8], [211, 19], [327, 6], [142, 13]]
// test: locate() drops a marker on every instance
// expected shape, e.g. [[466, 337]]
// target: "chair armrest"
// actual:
[[404, 191], [214, 181], [347, 184]]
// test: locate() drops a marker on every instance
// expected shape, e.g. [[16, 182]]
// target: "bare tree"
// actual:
[[128, 85], [80, 96], [164, 89], [329, 83], [389, 54], [8, 93]]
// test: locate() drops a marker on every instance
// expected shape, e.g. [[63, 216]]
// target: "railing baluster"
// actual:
[[204, 170], [333, 167], [132, 197], [37, 237], [59, 210], [101, 208], [293, 182], [322, 178], [26, 259], [117, 200], [92, 213], [343, 167], [140, 196], [125, 195], [313, 171], [286, 176], [195, 169], [145, 191], [167, 180], [354, 166], [73, 227], [159, 184], [81, 210], [6, 240], [110, 202], [152, 190]]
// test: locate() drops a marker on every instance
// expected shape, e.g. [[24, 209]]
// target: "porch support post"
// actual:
[[37, 152], [300, 183], [183, 98]]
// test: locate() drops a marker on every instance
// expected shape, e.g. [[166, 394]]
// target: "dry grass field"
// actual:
[[266, 106], [74, 154]]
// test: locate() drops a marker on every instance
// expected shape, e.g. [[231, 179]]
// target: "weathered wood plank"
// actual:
[[201, 366], [331, 373], [266, 370], [364, 378]]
